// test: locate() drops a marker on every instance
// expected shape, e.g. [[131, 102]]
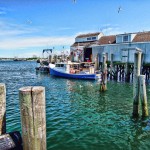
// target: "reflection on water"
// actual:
[[78, 116]]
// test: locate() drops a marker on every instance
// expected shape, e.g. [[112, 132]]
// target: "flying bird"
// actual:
[[28, 21], [119, 9], [74, 1]]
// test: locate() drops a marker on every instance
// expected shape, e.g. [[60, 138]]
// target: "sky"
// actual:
[[29, 26]]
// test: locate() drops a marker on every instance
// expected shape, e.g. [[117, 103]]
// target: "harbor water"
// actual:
[[78, 116]]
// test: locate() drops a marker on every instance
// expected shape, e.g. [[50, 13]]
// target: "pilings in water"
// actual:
[[32, 107], [143, 95], [103, 85], [139, 88], [136, 93], [33, 117], [97, 62], [7, 140], [111, 65], [2, 109]]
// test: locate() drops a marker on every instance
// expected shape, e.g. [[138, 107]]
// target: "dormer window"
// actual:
[[93, 38], [89, 38], [125, 38]]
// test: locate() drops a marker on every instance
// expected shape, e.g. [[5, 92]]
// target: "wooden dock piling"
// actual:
[[136, 93], [97, 62], [111, 66], [33, 119], [143, 95], [103, 85], [2, 109]]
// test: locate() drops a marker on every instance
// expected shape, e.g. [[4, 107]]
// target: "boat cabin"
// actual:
[[73, 68]]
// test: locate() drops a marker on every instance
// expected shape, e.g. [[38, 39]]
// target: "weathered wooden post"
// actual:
[[111, 65], [97, 62], [103, 85], [136, 93], [127, 72], [2, 108], [32, 107], [143, 95]]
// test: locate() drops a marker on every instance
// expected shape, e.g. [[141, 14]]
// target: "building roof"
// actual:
[[88, 35], [111, 39], [142, 37], [85, 44], [107, 40]]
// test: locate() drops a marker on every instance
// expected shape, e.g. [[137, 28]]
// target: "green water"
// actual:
[[78, 116]]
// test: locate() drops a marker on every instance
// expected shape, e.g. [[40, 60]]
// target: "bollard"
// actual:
[[2, 109], [136, 93], [103, 85], [143, 95], [33, 119]]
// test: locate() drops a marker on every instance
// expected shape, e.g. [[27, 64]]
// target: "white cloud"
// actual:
[[3, 10], [10, 29], [19, 43]]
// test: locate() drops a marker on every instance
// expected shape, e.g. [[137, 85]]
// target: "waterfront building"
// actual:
[[81, 50], [122, 46]]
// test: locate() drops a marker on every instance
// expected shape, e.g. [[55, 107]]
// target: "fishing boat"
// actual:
[[73, 70], [43, 64]]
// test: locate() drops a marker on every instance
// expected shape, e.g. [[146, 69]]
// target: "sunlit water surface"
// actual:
[[78, 116]]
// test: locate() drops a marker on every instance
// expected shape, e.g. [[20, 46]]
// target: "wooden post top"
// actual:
[[35, 89]]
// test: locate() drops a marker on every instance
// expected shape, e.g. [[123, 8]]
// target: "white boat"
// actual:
[[73, 70]]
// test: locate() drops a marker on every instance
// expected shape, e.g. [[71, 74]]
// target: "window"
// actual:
[[125, 38], [93, 38], [89, 38]]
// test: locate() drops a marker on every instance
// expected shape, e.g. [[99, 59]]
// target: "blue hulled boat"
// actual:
[[73, 71]]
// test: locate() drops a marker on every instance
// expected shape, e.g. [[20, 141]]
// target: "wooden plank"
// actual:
[[33, 118], [2, 108]]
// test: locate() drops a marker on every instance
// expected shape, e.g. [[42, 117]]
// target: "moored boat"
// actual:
[[73, 71]]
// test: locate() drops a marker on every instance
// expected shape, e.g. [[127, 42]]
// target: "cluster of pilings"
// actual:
[[128, 71], [33, 120]]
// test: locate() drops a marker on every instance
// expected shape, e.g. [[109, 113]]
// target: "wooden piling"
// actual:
[[33, 119], [103, 85], [2, 109], [143, 95], [136, 93], [127, 72], [111, 65], [97, 62]]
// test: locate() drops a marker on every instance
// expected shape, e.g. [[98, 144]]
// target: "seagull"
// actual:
[[28, 21], [119, 9], [74, 1]]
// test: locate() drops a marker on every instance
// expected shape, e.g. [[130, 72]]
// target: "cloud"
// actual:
[[10, 29], [4, 10], [109, 29], [19, 43]]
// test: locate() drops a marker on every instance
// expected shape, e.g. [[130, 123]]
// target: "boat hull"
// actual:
[[72, 76]]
